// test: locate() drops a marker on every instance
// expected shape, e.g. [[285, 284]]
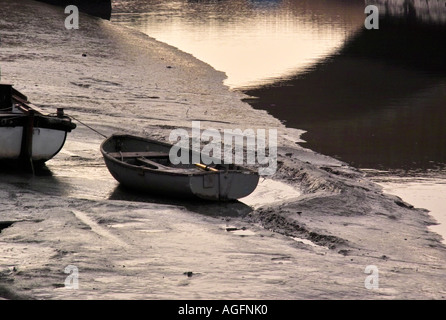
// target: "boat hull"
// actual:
[[27, 135], [46, 143], [223, 185]]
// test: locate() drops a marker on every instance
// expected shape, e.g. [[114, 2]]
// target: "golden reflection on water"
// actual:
[[253, 42]]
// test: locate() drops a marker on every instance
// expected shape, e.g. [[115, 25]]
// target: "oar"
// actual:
[[205, 167]]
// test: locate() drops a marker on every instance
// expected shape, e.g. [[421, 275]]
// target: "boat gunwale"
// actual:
[[107, 156], [40, 121]]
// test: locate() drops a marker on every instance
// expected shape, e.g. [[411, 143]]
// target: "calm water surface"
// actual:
[[254, 42]]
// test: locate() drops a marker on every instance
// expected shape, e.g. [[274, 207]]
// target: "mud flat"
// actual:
[[312, 240]]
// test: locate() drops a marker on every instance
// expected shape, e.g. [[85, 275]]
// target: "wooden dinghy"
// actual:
[[143, 164]]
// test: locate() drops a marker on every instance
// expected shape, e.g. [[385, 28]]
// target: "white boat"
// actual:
[[26, 133]]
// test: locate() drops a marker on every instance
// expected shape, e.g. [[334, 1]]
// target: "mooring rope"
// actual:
[[89, 127]]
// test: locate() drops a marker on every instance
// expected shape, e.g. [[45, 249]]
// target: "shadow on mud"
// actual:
[[40, 179], [204, 207]]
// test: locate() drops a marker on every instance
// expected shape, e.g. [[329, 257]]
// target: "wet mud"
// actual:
[[308, 232]]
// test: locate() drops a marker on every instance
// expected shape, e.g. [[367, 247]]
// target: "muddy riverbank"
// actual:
[[313, 242]]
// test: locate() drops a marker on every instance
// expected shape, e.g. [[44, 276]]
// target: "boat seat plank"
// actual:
[[151, 163], [155, 165], [147, 154]]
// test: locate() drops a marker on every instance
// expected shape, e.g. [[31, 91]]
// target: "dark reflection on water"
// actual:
[[380, 102]]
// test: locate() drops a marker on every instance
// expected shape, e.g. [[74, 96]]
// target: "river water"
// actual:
[[371, 98]]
